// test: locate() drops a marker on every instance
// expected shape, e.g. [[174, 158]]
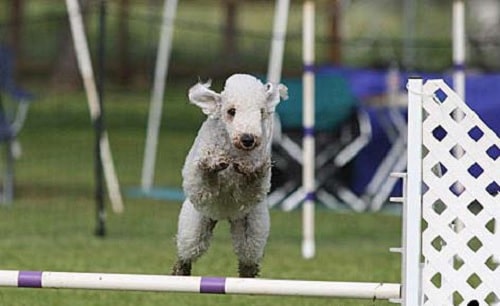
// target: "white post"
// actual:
[[412, 211], [85, 66], [458, 37], [308, 175], [278, 41], [156, 104], [276, 55]]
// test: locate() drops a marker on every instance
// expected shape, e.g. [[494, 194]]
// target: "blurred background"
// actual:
[[219, 37], [364, 52]]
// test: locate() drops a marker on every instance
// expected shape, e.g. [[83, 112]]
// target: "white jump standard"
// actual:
[[196, 284]]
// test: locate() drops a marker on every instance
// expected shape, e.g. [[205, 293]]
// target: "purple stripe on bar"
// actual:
[[310, 196], [308, 131], [213, 285], [309, 68], [459, 67], [29, 279]]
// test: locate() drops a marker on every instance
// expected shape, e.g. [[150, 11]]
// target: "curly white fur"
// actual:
[[227, 172]]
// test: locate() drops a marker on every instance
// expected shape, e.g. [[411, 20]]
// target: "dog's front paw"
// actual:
[[213, 165], [220, 166]]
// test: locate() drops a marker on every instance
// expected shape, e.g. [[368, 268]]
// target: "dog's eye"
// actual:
[[231, 112]]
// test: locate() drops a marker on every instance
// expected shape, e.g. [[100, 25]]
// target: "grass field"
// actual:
[[51, 224]]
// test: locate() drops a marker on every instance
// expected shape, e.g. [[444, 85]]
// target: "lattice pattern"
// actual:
[[461, 206]]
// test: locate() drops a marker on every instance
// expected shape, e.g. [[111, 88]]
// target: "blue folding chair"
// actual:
[[11, 118], [342, 129]]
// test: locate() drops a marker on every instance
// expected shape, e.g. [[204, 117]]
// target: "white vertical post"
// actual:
[[278, 41], [458, 37], [85, 66], [276, 55], [308, 179], [412, 211], [156, 104]]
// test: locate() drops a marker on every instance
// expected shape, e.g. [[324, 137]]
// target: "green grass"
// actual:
[[51, 224]]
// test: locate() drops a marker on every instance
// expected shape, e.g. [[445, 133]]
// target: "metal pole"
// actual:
[[156, 103], [274, 67], [308, 143], [99, 125], [458, 37], [85, 66], [278, 41]]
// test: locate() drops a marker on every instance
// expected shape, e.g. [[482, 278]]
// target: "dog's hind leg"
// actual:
[[249, 239], [193, 238]]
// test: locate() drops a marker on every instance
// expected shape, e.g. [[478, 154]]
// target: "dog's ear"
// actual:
[[206, 99], [275, 92]]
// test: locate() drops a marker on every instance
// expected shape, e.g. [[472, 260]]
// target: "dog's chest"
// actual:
[[230, 194]]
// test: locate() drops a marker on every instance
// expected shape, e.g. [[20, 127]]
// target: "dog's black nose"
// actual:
[[247, 140]]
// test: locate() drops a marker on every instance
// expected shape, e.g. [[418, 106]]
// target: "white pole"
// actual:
[[276, 55], [278, 41], [156, 103], [412, 211], [458, 37], [197, 284], [308, 179], [85, 66]]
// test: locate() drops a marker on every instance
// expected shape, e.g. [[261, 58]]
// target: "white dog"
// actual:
[[226, 175]]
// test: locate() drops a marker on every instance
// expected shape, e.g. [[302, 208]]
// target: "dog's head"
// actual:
[[243, 106]]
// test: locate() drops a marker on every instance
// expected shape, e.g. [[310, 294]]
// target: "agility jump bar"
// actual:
[[197, 284]]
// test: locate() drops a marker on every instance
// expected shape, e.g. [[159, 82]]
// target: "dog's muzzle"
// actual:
[[247, 142]]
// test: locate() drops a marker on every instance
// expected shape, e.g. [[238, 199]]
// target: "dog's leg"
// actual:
[[193, 238], [249, 236], [181, 267]]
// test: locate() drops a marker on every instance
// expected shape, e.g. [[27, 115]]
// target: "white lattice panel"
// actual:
[[461, 206]]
